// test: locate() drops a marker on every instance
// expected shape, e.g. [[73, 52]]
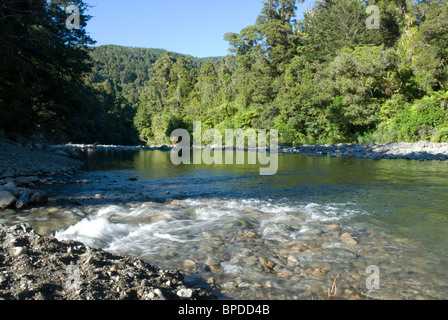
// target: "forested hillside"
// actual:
[[129, 69], [323, 79], [327, 78]]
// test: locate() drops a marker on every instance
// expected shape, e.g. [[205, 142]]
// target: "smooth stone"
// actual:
[[316, 272], [175, 203], [297, 247], [190, 264], [284, 275], [265, 263], [348, 239], [185, 293], [292, 261], [159, 218], [53, 210], [18, 251], [159, 293], [333, 227]]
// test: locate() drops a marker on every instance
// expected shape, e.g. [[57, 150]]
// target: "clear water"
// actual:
[[272, 237]]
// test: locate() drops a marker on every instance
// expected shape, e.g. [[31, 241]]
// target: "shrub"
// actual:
[[422, 120]]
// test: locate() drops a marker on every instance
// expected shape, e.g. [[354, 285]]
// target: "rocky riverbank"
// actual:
[[25, 167], [420, 151], [33, 267]]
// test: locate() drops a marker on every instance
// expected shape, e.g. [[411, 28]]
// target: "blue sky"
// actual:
[[194, 27]]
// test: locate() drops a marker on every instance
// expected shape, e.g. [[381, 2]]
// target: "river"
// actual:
[[247, 236]]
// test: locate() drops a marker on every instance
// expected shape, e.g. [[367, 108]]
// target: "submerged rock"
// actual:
[[348, 239]]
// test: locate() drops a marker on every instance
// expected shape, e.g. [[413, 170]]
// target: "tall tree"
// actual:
[[40, 61]]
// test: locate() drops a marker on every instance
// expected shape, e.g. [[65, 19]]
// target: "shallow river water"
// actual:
[[247, 236]]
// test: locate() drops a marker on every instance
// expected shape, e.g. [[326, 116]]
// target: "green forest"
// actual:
[[326, 78]]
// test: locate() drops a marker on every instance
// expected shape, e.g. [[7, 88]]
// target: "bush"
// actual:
[[421, 121], [440, 135]]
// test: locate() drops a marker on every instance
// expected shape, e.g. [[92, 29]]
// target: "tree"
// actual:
[[333, 25], [41, 59], [431, 58]]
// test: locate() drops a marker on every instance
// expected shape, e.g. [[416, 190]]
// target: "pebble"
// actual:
[[348, 239], [159, 293], [266, 263], [189, 264], [18, 251], [333, 227], [284, 275], [185, 293], [316, 272], [292, 261], [229, 285], [53, 210]]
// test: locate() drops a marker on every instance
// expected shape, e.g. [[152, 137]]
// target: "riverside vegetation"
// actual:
[[326, 78]]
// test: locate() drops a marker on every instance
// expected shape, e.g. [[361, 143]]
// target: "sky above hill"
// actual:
[[194, 27]]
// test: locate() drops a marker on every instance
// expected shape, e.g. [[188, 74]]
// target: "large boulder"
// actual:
[[7, 199]]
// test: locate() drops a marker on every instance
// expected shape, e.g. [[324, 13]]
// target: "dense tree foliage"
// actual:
[[326, 78]]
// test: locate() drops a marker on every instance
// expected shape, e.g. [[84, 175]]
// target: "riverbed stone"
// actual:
[[333, 228], [292, 261], [175, 203], [266, 263], [348, 239], [189, 264], [284, 275], [316, 272]]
